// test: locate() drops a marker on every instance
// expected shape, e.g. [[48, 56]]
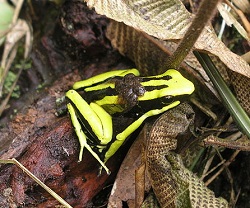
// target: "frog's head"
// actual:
[[177, 85], [166, 86]]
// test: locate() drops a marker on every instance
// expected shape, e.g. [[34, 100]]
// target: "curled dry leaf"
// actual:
[[167, 20]]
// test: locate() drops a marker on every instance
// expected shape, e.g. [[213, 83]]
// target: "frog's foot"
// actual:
[[96, 156], [100, 171], [83, 143]]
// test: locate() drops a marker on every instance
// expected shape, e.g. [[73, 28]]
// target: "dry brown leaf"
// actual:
[[163, 19], [230, 20], [124, 186], [166, 20]]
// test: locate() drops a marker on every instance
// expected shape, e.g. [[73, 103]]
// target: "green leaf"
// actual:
[[6, 14]]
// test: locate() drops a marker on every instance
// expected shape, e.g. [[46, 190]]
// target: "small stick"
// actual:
[[205, 13], [50, 191]]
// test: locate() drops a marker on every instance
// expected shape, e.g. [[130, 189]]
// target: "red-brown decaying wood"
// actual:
[[48, 147]]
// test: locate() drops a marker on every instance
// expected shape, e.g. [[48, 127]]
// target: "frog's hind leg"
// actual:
[[98, 121], [82, 138]]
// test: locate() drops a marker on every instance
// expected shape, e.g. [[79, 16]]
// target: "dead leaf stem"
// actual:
[[205, 13]]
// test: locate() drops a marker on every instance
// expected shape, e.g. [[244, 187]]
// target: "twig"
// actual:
[[6, 100], [51, 192], [203, 16], [226, 164]]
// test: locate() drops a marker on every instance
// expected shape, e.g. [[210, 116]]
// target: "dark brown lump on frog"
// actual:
[[129, 89]]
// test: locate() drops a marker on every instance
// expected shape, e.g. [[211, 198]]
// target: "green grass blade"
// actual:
[[231, 103]]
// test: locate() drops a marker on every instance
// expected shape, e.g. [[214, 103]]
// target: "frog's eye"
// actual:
[[167, 99]]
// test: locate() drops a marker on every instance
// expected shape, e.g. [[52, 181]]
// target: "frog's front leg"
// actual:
[[98, 122], [121, 137]]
